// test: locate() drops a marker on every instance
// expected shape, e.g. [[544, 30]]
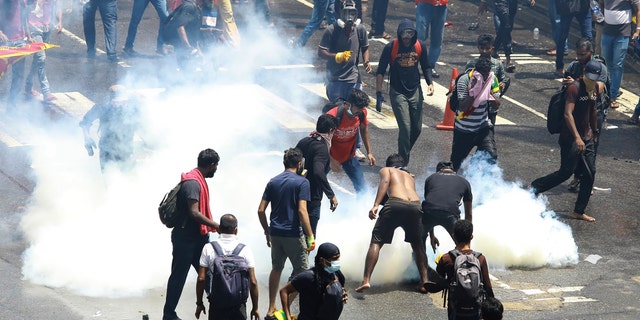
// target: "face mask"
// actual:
[[334, 267]]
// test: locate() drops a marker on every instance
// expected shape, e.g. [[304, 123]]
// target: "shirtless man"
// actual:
[[397, 190]]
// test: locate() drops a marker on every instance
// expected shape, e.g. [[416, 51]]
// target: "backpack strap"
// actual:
[[217, 248], [396, 46], [238, 248]]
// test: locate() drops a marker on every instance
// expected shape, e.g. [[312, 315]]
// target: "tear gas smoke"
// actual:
[[98, 234]]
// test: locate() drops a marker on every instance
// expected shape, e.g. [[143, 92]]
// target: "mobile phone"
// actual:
[[473, 26]]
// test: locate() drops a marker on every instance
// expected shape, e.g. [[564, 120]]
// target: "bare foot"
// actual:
[[422, 289], [363, 287], [583, 217]]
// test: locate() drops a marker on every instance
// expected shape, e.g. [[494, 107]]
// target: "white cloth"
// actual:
[[227, 242]]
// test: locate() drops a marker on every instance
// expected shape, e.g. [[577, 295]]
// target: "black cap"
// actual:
[[592, 70]]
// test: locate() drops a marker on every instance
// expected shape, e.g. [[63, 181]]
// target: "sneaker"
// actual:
[[130, 52], [113, 59], [434, 74], [360, 155]]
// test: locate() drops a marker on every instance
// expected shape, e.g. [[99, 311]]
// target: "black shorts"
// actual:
[[398, 213]]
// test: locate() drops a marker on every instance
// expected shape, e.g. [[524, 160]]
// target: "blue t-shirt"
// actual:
[[283, 192]]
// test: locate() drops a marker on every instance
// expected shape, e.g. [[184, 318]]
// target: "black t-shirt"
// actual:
[[188, 15], [444, 191], [310, 294], [190, 190], [316, 155]]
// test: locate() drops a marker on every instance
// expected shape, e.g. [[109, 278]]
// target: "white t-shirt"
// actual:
[[227, 242]]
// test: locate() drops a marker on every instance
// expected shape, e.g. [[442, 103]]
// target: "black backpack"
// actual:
[[332, 301], [452, 95], [170, 216], [340, 104], [466, 288], [555, 112], [229, 278]]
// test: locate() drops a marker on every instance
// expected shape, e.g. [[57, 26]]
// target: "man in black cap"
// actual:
[[444, 191], [577, 138]]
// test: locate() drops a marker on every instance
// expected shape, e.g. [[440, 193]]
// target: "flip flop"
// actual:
[[614, 104]]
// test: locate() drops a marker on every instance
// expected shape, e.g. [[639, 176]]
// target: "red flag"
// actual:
[[11, 55]]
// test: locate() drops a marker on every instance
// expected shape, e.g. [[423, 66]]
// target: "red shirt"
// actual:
[[343, 143], [11, 22]]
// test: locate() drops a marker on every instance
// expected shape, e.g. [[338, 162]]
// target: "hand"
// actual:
[[58, 27], [367, 67], [580, 145], [345, 296], [334, 204], [268, 236], [379, 101], [255, 315], [434, 242], [373, 213], [343, 56], [430, 90], [311, 243], [200, 308], [372, 159], [567, 81], [89, 144]]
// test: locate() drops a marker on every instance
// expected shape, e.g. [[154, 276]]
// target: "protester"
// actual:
[[477, 91], [315, 150], [616, 32], [340, 45], [40, 21], [444, 191], [462, 235], [577, 139], [139, 6], [344, 140], [582, 12], [288, 194], [192, 233], [13, 33], [430, 18], [485, 48], [378, 16], [182, 30], [109, 16], [491, 309], [405, 90], [228, 242], [397, 192], [321, 288], [119, 120]]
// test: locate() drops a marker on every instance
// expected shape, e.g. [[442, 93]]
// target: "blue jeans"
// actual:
[[503, 22], [430, 17], [136, 15], [321, 9], [186, 253], [109, 15], [340, 90], [614, 50], [554, 20], [378, 15], [17, 75], [38, 64], [565, 24], [636, 111], [353, 170]]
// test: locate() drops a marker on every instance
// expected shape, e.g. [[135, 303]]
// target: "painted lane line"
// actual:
[[564, 289], [530, 292], [577, 299]]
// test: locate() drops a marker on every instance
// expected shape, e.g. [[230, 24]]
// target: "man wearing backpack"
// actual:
[[464, 301], [577, 139], [315, 150], [403, 55], [228, 298], [288, 194], [192, 233]]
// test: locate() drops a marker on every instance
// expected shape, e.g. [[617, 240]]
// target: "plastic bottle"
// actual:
[[536, 33], [597, 13]]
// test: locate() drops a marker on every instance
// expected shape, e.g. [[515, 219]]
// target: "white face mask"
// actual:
[[334, 267]]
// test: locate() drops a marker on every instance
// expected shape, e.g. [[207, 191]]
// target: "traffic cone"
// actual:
[[447, 122]]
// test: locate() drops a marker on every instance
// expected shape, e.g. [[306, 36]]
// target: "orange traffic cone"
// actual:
[[447, 122]]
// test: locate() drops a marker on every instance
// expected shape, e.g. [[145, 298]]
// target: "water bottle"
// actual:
[[536, 33], [597, 14]]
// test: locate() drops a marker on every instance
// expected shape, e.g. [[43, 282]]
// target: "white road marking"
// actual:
[[577, 299], [564, 289], [532, 291]]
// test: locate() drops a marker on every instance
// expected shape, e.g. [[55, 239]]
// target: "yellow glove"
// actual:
[[343, 56], [311, 243]]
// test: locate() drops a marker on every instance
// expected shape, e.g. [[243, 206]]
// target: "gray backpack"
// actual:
[[466, 289]]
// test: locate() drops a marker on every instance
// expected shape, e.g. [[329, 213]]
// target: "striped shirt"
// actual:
[[617, 17], [477, 120]]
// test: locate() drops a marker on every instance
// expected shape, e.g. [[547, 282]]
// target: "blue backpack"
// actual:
[[229, 278]]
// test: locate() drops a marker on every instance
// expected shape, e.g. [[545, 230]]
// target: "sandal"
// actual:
[[614, 104], [383, 35], [551, 52]]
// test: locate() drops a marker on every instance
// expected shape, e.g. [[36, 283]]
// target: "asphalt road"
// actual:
[[288, 86]]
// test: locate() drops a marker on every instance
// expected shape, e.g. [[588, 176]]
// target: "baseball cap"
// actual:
[[592, 70]]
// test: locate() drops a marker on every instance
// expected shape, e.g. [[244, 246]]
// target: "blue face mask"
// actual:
[[335, 266]]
